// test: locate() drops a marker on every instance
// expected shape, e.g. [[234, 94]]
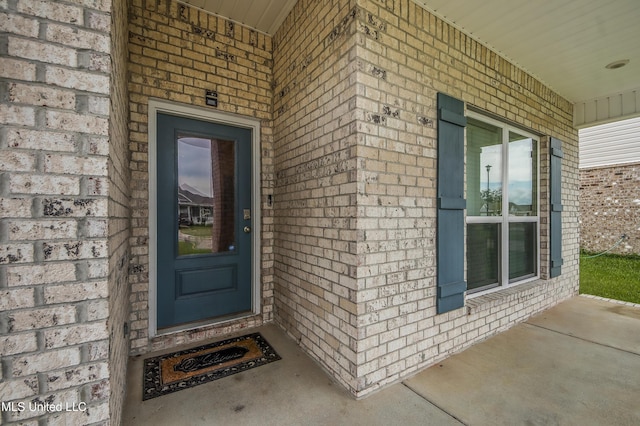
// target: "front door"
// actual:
[[204, 220]]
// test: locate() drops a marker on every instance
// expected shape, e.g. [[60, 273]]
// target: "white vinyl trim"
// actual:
[[197, 113], [506, 218], [607, 109]]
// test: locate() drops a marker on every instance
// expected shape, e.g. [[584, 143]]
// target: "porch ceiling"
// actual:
[[566, 44], [263, 15]]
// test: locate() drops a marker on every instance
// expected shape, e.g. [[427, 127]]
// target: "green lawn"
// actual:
[[197, 230], [611, 276], [187, 247]]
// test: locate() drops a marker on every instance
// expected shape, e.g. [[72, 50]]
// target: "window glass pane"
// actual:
[[523, 179], [483, 255], [484, 169], [206, 204], [522, 250]]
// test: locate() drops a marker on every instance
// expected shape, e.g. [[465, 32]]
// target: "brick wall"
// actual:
[[62, 155], [315, 192], [400, 331], [176, 53], [119, 223], [610, 208], [355, 145]]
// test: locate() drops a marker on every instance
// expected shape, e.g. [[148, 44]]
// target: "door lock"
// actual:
[[246, 229]]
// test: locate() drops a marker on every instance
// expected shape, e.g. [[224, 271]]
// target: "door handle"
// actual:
[[246, 229]]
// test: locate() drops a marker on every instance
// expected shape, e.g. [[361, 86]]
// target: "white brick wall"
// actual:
[[355, 236], [61, 176], [315, 163]]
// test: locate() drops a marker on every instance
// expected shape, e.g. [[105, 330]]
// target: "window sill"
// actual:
[[500, 295]]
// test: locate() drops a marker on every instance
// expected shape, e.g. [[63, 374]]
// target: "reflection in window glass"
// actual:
[[522, 250], [502, 237], [206, 182], [523, 157], [484, 169], [483, 255]]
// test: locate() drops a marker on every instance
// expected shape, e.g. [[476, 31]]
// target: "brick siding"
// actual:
[[64, 204], [610, 208], [315, 193], [118, 227], [355, 144]]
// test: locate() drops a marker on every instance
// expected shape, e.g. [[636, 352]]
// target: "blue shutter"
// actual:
[[555, 208], [451, 204]]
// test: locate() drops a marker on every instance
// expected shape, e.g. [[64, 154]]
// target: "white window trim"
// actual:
[[198, 113], [506, 218]]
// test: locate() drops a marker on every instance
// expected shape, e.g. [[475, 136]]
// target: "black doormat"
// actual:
[[184, 369]]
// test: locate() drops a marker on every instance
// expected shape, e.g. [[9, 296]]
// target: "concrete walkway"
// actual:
[[575, 364]]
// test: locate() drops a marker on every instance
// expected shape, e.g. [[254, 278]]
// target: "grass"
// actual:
[[187, 247], [611, 276], [197, 230]]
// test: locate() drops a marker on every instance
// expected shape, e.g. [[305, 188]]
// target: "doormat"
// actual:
[[184, 369]]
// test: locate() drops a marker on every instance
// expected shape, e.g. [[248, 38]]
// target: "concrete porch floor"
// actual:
[[575, 364]]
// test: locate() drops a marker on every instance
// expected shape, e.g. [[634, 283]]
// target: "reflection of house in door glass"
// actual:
[[206, 183]]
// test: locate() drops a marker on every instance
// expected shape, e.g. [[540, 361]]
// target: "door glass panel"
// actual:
[[483, 255], [206, 204], [523, 182], [484, 169]]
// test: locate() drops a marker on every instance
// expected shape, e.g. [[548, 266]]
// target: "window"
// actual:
[[502, 204]]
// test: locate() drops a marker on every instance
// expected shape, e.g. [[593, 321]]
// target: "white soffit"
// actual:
[[265, 16], [566, 44], [609, 144]]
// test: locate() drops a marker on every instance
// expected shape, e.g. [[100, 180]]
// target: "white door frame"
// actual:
[[197, 113]]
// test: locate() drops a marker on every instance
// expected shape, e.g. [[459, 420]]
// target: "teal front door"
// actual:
[[203, 221]]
